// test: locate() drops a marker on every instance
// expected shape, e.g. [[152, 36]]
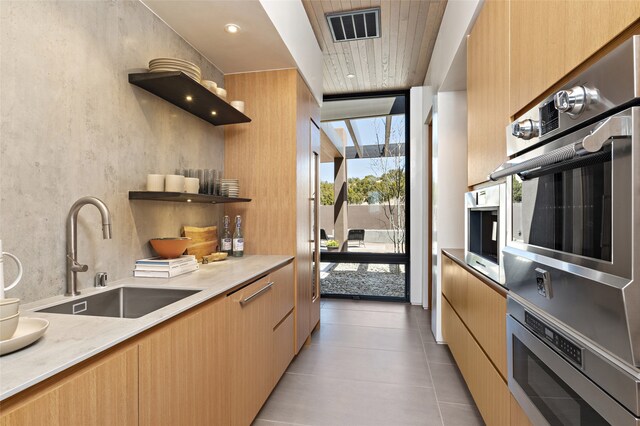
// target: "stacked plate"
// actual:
[[230, 187], [174, 64]]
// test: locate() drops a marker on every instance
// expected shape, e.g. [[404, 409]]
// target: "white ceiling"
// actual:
[[258, 46], [354, 108]]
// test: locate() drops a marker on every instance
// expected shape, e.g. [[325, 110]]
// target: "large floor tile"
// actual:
[[316, 400], [366, 305], [261, 422], [427, 335], [354, 336], [438, 353], [449, 384], [460, 415], [368, 318], [405, 368]]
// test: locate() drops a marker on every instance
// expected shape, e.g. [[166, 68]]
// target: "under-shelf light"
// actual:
[[189, 98]]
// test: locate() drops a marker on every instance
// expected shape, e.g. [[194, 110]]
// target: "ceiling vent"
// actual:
[[354, 25]]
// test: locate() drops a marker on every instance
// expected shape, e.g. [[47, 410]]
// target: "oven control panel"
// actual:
[[564, 345]]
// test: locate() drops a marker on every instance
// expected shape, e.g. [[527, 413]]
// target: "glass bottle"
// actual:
[[226, 237], [238, 240]]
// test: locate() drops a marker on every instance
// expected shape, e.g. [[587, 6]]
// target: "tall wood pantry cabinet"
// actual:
[[275, 157]]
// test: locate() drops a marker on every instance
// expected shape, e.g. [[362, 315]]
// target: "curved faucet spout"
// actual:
[[73, 267]]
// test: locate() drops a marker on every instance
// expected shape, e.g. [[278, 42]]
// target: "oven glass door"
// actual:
[[555, 400], [566, 208]]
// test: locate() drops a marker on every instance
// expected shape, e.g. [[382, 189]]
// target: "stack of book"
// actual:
[[157, 267]]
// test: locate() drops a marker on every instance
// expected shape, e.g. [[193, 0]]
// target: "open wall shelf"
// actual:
[[184, 92], [183, 197]]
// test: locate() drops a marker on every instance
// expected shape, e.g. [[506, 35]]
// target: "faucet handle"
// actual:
[[100, 279]]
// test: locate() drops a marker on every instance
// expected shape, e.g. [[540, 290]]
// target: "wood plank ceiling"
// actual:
[[398, 59]]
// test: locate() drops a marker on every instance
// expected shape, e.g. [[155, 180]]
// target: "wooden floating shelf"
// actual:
[[176, 87], [183, 197]]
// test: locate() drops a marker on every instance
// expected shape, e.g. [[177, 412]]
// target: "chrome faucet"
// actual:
[[73, 267]]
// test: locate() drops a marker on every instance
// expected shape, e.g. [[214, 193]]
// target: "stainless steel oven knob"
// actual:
[[526, 129], [575, 100]]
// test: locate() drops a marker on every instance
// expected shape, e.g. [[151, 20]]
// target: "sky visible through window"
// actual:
[[367, 129]]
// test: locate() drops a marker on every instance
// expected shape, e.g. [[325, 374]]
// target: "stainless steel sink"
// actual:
[[123, 302]]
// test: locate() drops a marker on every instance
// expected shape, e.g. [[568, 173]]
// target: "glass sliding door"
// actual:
[[364, 196]]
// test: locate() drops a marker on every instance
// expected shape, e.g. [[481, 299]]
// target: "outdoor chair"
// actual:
[[323, 234], [356, 235]]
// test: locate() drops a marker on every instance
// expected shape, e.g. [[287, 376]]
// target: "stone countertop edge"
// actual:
[[457, 255], [71, 339]]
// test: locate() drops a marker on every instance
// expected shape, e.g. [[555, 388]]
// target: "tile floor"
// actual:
[[371, 363]]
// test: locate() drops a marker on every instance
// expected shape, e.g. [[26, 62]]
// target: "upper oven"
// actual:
[[571, 199], [485, 230], [573, 204]]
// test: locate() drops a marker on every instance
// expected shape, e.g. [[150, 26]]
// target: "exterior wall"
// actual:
[[71, 125]]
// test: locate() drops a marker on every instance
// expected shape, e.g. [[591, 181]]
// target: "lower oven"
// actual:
[[559, 378]]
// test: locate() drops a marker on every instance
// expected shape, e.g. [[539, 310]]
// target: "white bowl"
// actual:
[[209, 84], [8, 307], [8, 326]]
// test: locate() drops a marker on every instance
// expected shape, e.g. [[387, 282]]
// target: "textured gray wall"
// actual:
[[71, 125]]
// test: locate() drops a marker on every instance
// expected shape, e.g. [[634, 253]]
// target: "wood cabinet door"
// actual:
[[549, 39], [104, 392], [251, 349], [487, 90], [183, 370], [283, 298], [283, 342]]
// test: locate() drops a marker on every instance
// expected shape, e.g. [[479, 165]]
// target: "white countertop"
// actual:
[[71, 339]]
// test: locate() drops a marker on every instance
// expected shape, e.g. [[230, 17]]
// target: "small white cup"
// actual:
[[192, 185], [221, 93], [155, 183], [174, 183], [239, 105]]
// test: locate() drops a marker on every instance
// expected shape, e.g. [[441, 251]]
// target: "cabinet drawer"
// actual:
[[283, 292], [283, 342], [487, 387]]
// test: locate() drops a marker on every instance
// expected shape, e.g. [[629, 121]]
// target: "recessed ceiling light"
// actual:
[[231, 28], [189, 98], [351, 75], [214, 113]]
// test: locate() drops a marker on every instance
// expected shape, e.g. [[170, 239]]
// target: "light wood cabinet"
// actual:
[[271, 156], [283, 349], [487, 90], [250, 347], [550, 39], [183, 369], [103, 391], [283, 293], [474, 326]]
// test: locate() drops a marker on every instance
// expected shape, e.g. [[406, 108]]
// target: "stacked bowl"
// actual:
[[9, 317], [230, 187], [174, 64]]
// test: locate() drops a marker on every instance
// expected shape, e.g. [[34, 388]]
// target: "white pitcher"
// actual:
[[17, 280]]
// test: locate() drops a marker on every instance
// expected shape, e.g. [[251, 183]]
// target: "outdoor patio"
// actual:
[[362, 279]]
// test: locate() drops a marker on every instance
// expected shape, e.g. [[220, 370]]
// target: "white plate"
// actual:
[[182, 61], [29, 330], [177, 66]]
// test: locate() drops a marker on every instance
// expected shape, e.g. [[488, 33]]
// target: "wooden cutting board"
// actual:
[[204, 241]]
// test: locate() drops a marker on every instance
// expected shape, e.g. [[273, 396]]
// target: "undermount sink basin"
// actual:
[[123, 302]]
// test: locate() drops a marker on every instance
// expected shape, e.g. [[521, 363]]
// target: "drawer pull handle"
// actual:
[[256, 294]]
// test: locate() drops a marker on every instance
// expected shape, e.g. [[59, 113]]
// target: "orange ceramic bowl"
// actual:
[[170, 248]]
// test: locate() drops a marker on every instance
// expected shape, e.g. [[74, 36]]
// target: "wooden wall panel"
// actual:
[[518, 417], [262, 155], [487, 90]]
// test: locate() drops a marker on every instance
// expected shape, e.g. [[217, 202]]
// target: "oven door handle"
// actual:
[[611, 128]]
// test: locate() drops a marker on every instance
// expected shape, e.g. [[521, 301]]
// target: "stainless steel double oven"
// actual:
[[573, 248]]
